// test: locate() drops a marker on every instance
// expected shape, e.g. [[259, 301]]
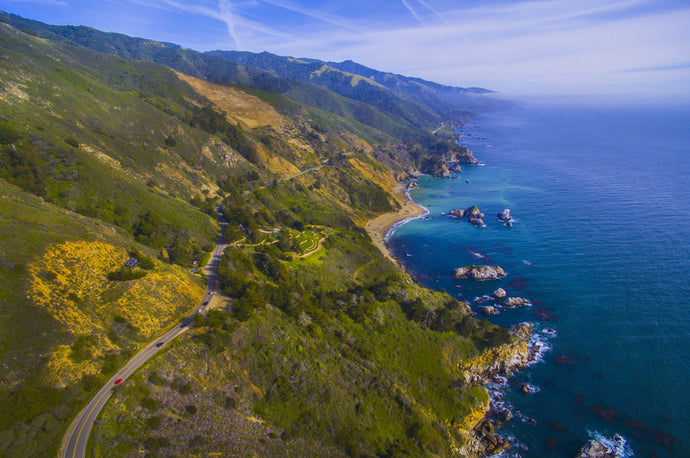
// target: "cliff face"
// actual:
[[480, 438], [502, 360]]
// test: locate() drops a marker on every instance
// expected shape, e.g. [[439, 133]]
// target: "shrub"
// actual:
[[125, 274], [71, 141], [149, 403], [8, 134]]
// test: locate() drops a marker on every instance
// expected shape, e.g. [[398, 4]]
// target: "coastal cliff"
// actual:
[[478, 431], [502, 360]]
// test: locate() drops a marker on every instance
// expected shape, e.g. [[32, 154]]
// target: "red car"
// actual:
[[118, 381]]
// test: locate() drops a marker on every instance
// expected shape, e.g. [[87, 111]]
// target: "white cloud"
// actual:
[[531, 46]]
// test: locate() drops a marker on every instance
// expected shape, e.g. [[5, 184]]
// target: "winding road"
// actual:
[[75, 440]]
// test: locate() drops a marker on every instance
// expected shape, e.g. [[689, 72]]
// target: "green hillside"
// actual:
[[316, 345]]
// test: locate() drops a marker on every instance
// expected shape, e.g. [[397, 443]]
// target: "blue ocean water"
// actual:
[[600, 244]]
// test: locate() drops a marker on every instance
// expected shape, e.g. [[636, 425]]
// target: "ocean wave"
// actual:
[[541, 346], [616, 443]]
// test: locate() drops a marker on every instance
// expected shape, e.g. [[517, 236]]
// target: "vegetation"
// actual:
[[319, 345]]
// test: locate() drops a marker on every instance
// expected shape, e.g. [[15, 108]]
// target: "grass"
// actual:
[[321, 356], [54, 268]]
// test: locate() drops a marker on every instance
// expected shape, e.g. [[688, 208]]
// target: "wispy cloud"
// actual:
[[226, 14], [433, 10], [314, 14], [507, 45], [412, 11]]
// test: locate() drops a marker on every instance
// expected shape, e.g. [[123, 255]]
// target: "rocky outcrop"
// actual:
[[465, 156], [457, 213], [413, 184], [500, 293], [473, 215], [512, 302], [595, 449], [482, 441], [479, 438], [488, 310], [456, 168], [443, 172], [479, 272], [504, 215], [502, 360]]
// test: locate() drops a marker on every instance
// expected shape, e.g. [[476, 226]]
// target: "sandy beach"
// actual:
[[379, 226]]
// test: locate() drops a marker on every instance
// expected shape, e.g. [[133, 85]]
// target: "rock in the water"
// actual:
[[412, 185], [506, 415], [525, 388], [504, 215], [479, 272], [595, 449], [475, 216], [515, 302], [488, 310], [500, 293], [474, 212], [477, 222], [457, 212]]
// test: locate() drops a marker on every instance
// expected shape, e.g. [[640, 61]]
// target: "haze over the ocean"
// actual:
[[623, 47]]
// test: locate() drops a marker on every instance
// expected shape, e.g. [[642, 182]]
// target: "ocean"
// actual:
[[600, 245]]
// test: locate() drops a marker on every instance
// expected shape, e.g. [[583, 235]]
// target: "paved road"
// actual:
[[74, 442]]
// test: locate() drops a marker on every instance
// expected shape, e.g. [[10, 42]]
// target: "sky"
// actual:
[[520, 47]]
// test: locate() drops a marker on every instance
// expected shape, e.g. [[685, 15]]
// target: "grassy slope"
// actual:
[[320, 371], [49, 97], [43, 382]]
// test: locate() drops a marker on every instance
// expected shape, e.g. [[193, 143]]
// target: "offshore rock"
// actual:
[[479, 272], [500, 293], [511, 302], [504, 215], [477, 222], [475, 216], [474, 212], [488, 310], [595, 449], [502, 360], [457, 213]]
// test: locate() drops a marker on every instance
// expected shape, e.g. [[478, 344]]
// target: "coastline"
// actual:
[[380, 227]]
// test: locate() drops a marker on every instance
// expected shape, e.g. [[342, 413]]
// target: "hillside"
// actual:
[[416, 100], [318, 343]]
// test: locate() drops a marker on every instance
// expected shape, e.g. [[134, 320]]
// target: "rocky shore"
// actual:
[[480, 437]]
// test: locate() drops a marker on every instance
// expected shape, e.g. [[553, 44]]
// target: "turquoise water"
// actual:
[[600, 245]]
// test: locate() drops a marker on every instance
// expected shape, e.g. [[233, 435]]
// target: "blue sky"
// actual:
[[549, 47]]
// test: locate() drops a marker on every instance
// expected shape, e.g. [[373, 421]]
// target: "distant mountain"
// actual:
[[389, 92], [400, 102], [391, 115]]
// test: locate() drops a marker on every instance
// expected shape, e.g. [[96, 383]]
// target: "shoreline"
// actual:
[[380, 228]]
